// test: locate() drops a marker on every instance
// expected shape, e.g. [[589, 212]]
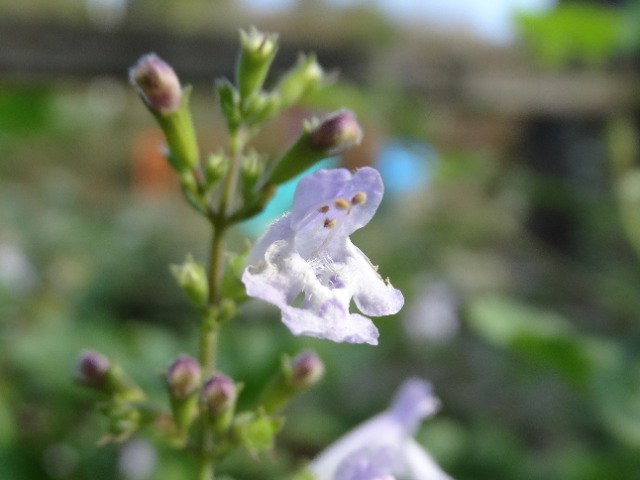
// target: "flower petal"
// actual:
[[283, 275], [279, 229], [369, 463], [420, 465], [279, 278], [377, 432], [413, 403], [371, 294], [326, 186], [330, 321]]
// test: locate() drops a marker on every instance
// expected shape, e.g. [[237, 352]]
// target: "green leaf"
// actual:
[[617, 392], [542, 336]]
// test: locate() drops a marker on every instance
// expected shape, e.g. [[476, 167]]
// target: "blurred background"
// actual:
[[508, 136]]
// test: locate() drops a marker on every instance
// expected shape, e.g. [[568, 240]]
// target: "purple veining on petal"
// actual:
[[336, 282]]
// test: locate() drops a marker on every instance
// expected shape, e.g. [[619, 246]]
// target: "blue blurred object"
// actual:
[[406, 165], [281, 201]]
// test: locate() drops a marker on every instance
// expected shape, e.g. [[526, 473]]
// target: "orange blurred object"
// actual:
[[150, 171]]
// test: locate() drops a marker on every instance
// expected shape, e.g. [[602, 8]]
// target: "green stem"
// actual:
[[216, 264], [237, 140], [210, 324], [206, 471], [208, 344]]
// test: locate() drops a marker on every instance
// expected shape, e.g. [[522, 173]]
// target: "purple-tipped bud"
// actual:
[[183, 377], [157, 83], [337, 132], [92, 368], [306, 370], [319, 139], [218, 393]]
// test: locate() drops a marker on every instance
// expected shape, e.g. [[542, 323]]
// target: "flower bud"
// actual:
[[229, 100], [256, 54], [306, 370], [96, 371], [183, 381], [218, 393], [320, 139], [299, 80], [257, 430], [192, 278], [160, 89], [294, 376], [218, 400], [215, 168], [251, 167], [336, 133], [183, 377], [124, 420], [157, 83], [260, 107], [92, 368]]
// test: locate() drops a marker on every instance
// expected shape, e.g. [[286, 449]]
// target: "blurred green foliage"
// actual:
[[574, 32], [24, 110], [528, 391], [540, 380]]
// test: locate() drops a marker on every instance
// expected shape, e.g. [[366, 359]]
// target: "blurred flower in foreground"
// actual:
[[382, 448], [307, 266]]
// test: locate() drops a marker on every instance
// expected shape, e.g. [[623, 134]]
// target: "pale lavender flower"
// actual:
[[307, 266], [382, 448]]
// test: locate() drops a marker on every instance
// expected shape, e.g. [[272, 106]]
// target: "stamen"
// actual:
[[359, 198], [324, 209], [341, 204], [322, 264], [329, 223]]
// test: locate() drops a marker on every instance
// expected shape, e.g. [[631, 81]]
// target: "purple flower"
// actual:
[[382, 448], [307, 266]]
